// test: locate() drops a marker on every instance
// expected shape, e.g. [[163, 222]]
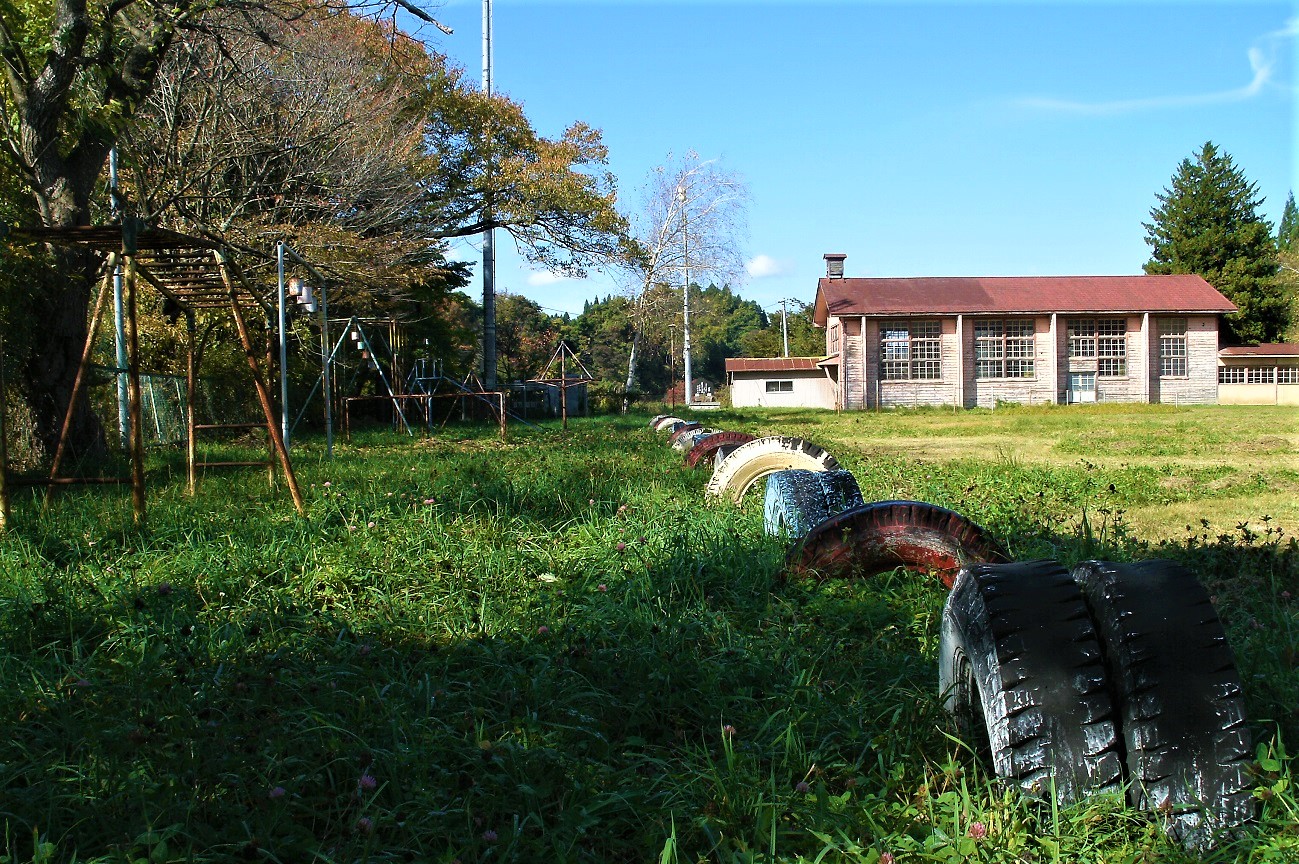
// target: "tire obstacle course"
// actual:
[[1110, 678]]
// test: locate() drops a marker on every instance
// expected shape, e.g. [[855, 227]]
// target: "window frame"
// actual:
[[780, 385], [1104, 340], [917, 356], [1173, 354], [1005, 344]]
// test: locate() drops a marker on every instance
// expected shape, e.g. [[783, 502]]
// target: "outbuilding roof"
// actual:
[[772, 364], [1275, 349], [974, 295]]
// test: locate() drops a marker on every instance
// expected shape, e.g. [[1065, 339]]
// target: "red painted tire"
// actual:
[[683, 429], [701, 455], [877, 537]]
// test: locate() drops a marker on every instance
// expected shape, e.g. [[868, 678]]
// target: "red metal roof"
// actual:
[[771, 364], [1275, 349], [952, 295]]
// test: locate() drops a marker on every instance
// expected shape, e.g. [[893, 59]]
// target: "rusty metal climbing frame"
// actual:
[[198, 276]]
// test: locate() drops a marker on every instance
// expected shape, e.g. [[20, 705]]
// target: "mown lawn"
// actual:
[[552, 650]]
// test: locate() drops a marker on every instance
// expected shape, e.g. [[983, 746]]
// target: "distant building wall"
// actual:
[[783, 389]]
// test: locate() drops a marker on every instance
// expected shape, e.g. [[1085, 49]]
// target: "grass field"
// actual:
[[551, 650]]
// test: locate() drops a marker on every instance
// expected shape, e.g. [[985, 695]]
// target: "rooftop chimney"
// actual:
[[834, 265]]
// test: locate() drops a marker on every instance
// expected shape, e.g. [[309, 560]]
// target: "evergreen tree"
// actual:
[[1207, 223], [1287, 233]]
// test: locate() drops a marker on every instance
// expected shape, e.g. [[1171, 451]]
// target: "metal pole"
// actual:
[[672, 365], [119, 331], [191, 373], [563, 387], [284, 349], [4, 452], [133, 364], [324, 373], [784, 328], [685, 294], [264, 397], [489, 244]]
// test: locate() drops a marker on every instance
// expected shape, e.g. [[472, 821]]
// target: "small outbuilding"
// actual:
[[779, 382], [1259, 375]]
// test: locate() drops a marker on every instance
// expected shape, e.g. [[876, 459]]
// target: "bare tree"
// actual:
[[692, 227], [315, 134]]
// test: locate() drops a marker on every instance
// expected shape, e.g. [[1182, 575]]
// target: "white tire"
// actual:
[[751, 462]]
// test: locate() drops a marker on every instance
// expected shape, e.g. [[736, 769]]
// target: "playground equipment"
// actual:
[[199, 277]]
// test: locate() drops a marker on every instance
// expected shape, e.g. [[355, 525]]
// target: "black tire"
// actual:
[[1020, 667], [797, 499], [840, 489], [793, 503], [1177, 693]]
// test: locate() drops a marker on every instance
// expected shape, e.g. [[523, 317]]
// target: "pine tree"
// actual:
[[1287, 233], [1208, 223]]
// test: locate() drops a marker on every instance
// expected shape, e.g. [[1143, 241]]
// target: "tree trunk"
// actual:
[[51, 366], [631, 369], [60, 307]]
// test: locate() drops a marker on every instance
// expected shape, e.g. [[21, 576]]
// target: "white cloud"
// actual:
[[763, 266], [1262, 62], [537, 280]]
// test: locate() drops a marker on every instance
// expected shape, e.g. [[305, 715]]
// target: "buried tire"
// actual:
[[751, 462], [796, 500], [1020, 667], [701, 454], [665, 423], [1178, 695], [688, 426], [878, 537], [686, 442]]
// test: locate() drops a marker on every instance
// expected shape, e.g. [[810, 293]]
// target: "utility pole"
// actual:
[[672, 365], [685, 293], [784, 328], [119, 319], [281, 317], [489, 245]]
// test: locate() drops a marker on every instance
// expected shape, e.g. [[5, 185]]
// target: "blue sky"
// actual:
[[921, 139]]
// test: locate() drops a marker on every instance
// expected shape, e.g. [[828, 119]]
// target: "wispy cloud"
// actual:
[[763, 266], [536, 280], [1262, 63]]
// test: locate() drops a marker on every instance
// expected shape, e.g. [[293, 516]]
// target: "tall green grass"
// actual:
[[547, 649]]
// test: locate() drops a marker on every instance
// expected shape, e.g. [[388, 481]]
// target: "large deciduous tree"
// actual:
[[268, 119], [1207, 222]]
